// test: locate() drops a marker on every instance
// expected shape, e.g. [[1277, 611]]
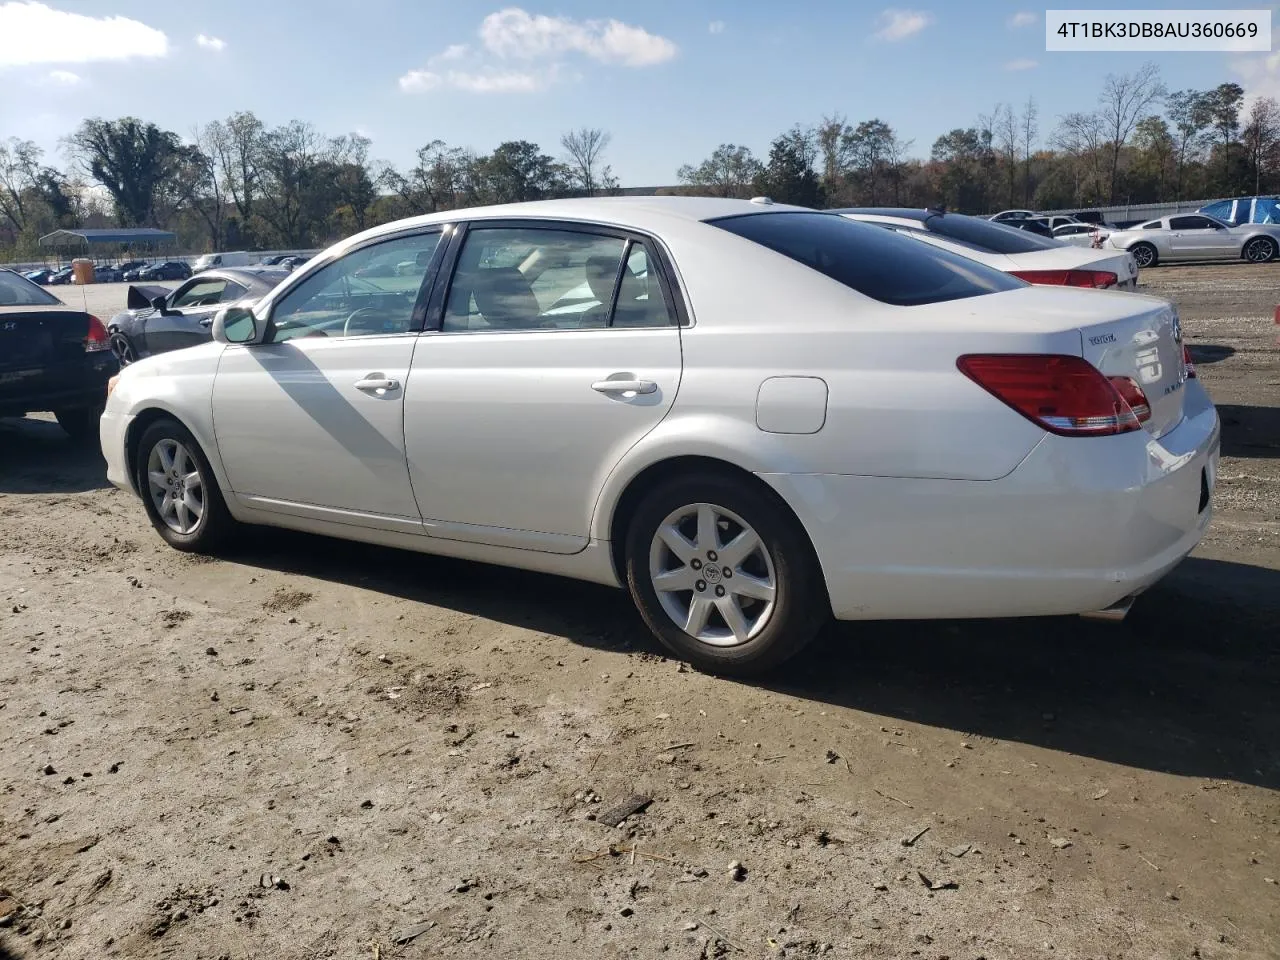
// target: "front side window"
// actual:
[[201, 293], [526, 278], [1190, 223], [876, 263], [370, 291]]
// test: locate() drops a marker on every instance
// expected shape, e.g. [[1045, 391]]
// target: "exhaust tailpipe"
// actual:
[[1112, 614]]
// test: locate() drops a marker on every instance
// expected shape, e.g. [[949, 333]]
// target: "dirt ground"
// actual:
[[319, 749]]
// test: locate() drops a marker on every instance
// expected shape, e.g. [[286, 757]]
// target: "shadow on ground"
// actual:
[[1207, 353], [1190, 684], [1250, 432], [37, 457]]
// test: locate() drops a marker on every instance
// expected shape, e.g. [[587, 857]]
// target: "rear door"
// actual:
[[555, 349], [1195, 237]]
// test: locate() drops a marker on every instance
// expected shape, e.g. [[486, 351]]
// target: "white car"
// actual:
[[751, 416], [1040, 260], [1194, 236], [1082, 234]]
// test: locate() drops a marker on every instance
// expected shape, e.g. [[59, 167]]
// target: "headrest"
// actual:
[[505, 297], [602, 271]]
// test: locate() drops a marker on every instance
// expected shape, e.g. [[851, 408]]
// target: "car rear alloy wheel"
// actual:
[[1144, 255], [1259, 250], [712, 574], [723, 573], [179, 490]]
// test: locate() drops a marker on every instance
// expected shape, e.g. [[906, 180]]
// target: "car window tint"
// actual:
[[1189, 223], [370, 291], [988, 236], [640, 296], [202, 293], [525, 278], [1152, 225], [876, 263], [232, 291], [17, 291]]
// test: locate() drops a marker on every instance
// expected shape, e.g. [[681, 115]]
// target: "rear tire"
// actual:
[[723, 575], [1144, 254], [179, 490], [80, 423], [1260, 250]]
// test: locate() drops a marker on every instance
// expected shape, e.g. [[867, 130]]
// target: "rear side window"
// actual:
[[875, 262], [18, 291], [988, 236], [1153, 225]]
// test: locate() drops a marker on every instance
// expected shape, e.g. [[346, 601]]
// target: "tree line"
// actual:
[[236, 183], [1141, 143]]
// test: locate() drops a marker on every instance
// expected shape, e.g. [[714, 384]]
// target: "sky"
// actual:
[[669, 79]]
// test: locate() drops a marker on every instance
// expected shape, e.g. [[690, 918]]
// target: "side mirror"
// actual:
[[235, 325], [160, 306]]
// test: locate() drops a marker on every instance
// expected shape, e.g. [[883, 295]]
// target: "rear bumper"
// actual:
[[57, 389], [1079, 525]]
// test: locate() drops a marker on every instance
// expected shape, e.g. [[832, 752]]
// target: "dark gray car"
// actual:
[[159, 319]]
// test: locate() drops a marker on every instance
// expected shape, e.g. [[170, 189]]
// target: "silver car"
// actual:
[[1194, 236]]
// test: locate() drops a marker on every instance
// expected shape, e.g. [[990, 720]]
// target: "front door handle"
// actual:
[[207, 322], [625, 386], [377, 385]]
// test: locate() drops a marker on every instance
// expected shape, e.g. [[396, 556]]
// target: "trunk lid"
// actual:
[[1145, 346], [38, 344]]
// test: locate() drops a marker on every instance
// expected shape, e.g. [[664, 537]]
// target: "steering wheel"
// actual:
[[354, 320]]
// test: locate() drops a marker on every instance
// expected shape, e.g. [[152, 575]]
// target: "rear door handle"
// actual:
[[378, 385], [625, 386]]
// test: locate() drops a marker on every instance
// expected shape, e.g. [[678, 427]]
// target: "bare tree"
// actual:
[[1126, 99], [1082, 137], [1004, 128], [235, 145], [585, 148], [730, 171], [19, 174], [1262, 138], [834, 137], [1029, 130]]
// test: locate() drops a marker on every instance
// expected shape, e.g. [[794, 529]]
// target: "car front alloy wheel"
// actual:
[[179, 490]]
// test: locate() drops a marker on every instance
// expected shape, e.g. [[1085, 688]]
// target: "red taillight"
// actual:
[[1188, 363], [1064, 395], [97, 339], [1069, 278]]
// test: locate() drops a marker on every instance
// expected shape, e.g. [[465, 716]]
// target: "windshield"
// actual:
[[875, 262], [16, 291], [987, 236]]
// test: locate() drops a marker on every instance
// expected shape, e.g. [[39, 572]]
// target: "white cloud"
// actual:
[[543, 43], [1023, 64], [1260, 76], [63, 78], [36, 33], [211, 43], [716, 26], [899, 24], [1023, 19], [516, 34]]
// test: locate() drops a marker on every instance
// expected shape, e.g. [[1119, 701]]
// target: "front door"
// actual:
[[189, 313], [556, 351], [311, 422], [1199, 238]]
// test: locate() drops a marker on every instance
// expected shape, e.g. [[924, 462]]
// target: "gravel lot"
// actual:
[[319, 749]]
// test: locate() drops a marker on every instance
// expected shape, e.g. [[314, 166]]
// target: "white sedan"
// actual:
[[1040, 260], [752, 416]]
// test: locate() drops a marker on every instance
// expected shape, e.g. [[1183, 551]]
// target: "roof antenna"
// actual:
[[939, 208]]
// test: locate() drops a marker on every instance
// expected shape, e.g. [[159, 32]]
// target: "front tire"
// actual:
[[723, 575], [1144, 255], [179, 490], [80, 423], [1260, 250]]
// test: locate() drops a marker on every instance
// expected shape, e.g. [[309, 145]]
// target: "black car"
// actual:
[[168, 270], [108, 273], [159, 319], [52, 357], [59, 277], [39, 276], [1037, 225], [292, 263]]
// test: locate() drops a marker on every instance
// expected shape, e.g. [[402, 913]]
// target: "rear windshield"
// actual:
[[874, 262], [16, 291], [987, 236]]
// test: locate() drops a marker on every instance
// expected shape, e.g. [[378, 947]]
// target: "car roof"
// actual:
[[649, 214], [901, 213], [262, 277]]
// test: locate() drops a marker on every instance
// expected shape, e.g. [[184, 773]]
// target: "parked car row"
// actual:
[[753, 417]]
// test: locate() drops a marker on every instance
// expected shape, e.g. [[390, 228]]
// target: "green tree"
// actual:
[[1223, 106], [131, 159], [1189, 112], [517, 171], [730, 171]]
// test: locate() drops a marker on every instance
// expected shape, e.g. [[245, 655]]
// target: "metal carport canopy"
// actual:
[[108, 235]]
